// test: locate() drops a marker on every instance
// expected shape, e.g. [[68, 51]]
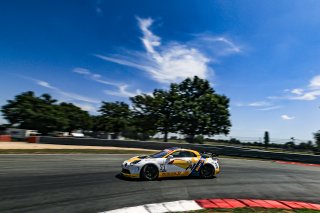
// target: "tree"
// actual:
[[44, 114], [29, 112], [317, 138], [75, 116], [199, 110], [115, 117], [143, 117], [266, 138], [156, 112]]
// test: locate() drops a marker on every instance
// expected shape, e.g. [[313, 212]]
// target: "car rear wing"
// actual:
[[209, 154]]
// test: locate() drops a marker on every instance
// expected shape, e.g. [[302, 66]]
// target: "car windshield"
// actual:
[[159, 154]]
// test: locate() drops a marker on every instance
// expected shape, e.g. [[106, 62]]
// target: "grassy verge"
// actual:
[[254, 210], [73, 151]]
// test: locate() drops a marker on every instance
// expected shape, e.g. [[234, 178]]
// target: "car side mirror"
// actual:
[[169, 157]]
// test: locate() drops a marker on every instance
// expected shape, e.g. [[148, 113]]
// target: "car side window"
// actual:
[[189, 154], [176, 154], [183, 154]]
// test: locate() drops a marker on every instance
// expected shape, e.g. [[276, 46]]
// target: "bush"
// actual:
[[234, 141], [199, 139]]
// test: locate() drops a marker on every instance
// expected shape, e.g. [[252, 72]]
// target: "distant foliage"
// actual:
[[234, 141], [115, 117], [266, 139], [317, 139], [191, 108], [199, 139], [44, 114]]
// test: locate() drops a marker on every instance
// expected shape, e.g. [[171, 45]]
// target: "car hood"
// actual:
[[136, 158]]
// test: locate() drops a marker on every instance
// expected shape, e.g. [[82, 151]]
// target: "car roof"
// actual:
[[179, 148]]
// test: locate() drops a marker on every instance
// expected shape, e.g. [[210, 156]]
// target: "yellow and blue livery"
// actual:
[[172, 162]]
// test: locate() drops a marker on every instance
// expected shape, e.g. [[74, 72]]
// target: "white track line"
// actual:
[[174, 206]]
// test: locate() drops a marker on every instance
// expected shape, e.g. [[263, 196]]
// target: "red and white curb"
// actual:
[[191, 205]]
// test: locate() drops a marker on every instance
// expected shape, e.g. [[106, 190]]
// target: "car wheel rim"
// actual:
[[150, 172], [206, 171]]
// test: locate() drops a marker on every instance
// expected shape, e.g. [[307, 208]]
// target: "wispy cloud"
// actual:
[[122, 88], [87, 107], [309, 93], [122, 92], [215, 46], [315, 82], [95, 77], [287, 117], [69, 95], [297, 91], [98, 9], [172, 61], [260, 105], [270, 108], [254, 104]]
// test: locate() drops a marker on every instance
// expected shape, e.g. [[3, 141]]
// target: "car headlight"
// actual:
[[135, 162]]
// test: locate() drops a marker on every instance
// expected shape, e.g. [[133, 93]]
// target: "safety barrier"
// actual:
[[33, 139], [5, 138], [218, 149]]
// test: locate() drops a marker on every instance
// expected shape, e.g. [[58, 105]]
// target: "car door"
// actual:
[[180, 164]]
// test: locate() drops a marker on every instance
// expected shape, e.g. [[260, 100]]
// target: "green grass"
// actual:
[[254, 210], [73, 151]]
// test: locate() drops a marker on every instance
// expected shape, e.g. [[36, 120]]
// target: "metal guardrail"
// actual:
[[218, 149]]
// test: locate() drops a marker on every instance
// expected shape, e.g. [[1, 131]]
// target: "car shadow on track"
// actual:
[[121, 177]]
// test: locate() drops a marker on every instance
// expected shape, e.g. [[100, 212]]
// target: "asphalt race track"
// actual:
[[89, 183]]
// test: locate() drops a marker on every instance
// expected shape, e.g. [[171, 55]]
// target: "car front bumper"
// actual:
[[130, 170]]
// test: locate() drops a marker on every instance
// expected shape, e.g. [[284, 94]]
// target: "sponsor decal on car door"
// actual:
[[179, 165]]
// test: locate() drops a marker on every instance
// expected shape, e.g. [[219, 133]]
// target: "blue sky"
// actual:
[[264, 55]]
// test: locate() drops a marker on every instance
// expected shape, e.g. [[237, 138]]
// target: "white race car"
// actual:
[[172, 162]]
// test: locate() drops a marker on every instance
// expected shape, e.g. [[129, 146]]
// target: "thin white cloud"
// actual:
[[121, 87], [87, 107], [297, 91], [217, 46], [149, 40], [81, 71], [309, 96], [98, 8], [72, 96], [94, 76], [287, 117], [122, 92], [309, 93], [315, 82], [255, 104], [170, 62], [45, 84], [270, 108], [260, 104]]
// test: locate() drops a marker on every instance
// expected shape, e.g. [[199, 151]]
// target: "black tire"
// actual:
[[207, 171], [149, 172]]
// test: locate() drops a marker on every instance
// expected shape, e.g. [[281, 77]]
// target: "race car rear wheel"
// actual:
[[207, 171], [149, 172]]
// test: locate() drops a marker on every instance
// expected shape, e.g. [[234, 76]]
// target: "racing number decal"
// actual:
[[162, 168]]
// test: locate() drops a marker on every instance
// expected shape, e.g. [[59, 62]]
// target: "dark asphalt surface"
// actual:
[[89, 183]]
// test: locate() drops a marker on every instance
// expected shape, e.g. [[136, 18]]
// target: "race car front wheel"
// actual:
[[207, 171], [149, 172]]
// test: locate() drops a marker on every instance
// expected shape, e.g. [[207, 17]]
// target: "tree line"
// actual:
[[191, 108]]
